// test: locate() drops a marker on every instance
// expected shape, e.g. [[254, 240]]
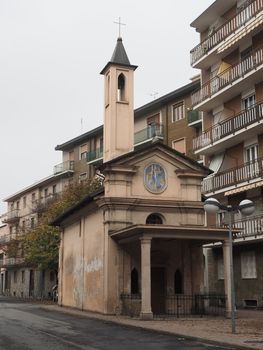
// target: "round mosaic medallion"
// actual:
[[155, 178]]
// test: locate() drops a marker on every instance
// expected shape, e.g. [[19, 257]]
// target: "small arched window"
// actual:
[[154, 219], [121, 88], [178, 282], [134, 281]]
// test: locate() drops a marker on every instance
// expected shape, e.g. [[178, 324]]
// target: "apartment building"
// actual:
[[230, 59], [167, 118], [24, 208]]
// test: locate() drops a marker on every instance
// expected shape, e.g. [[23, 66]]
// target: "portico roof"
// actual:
[[200, 233]]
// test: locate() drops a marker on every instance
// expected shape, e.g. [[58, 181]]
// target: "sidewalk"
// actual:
[[249, 327]]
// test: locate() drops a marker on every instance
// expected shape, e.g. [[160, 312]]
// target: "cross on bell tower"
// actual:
[[119, 24]]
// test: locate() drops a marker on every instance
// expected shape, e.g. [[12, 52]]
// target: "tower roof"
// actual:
[[119, 57]]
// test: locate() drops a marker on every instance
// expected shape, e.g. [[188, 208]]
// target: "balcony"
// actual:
[[11, 216], [194, 119], [9, 262], [230, 131], [232, 29], [94, 156], [142, 136], [67, 166], [250, 228], [151, 131], [250, 172], [230, 82], [42, 203], [5, 239]]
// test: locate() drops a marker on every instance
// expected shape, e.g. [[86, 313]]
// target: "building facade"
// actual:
[[230, 59], [135, 246], [24, 209]]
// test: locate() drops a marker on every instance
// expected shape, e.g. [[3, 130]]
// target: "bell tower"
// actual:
[[118, 134]]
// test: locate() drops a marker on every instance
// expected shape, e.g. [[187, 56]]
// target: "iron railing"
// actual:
[[249, 227], [148, 133], [248, 11], [7, 238], [12, 215], [228, 76], [65, 166], [93, 155], [7, 262], [193, 116], [245, 172], [229, 126], [178, 305]]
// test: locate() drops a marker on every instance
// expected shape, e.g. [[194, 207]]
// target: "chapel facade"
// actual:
[[135, 246]]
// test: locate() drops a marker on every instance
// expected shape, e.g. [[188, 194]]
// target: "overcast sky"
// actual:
[[51, 54]]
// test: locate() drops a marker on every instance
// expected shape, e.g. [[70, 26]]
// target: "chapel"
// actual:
[[135, 246]]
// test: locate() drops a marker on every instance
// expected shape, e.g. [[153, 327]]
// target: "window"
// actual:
[[54, 189], [23, 276], [178, 282], [248, 265], [251, 153], [24, 201], [121, 88], [33, 197], [220, 268], [179, 145], [101, 144], [46, 192], [178, 112], [15, 276], [82, 177], [108, 90], [134, 282], [154, 219], [23, 226], [248, 102], [17, 205], [83, 151], [32, 222]]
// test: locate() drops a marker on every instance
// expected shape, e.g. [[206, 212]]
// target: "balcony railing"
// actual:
[[12, 215], [246, 172], [65, 166], [7, 238], [228, 76], [94, 155], [42, 203], [229, 126], [193, 116], [11, 262], [220, 34], [148, 133], [249, 227]]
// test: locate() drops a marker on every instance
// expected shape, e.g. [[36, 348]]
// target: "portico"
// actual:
[[153, 243]]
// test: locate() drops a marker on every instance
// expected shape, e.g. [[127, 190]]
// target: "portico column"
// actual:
[[227, 277], [146, 308]]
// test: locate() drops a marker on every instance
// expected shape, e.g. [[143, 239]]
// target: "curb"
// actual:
[[97, 316]]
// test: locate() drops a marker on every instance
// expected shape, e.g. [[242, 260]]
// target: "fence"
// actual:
[[178, 305]]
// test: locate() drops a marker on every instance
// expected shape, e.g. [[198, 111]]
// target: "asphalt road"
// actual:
[[25, 326]]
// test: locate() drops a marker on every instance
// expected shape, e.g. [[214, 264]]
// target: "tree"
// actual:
[[40, 245]]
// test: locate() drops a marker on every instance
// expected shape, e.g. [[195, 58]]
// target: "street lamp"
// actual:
[[246, 207]]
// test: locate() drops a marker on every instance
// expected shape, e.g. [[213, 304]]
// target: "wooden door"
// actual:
[[158, 290]]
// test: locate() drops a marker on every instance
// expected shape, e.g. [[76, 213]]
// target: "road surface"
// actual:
[[25, 326]]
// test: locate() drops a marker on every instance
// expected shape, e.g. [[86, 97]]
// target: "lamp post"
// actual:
[[246, 207]]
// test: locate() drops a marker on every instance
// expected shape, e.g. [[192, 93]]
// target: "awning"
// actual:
[[223, 67], [240, 33], [244, 188]]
